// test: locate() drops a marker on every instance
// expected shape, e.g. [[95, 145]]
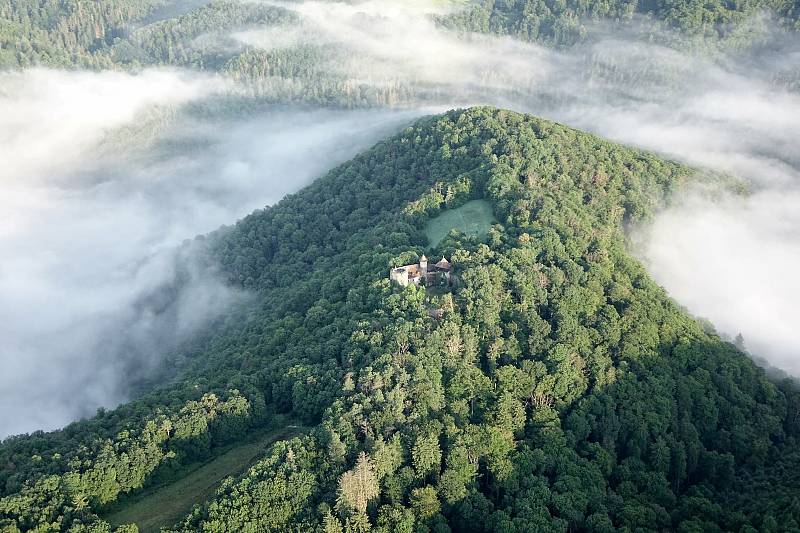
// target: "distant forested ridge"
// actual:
[[566, 22], [65, 32], [562, 389], [131, 34]]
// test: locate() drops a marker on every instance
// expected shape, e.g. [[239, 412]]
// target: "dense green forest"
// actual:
[[561, 390], [131, 34], [567, 22], [64, 32]]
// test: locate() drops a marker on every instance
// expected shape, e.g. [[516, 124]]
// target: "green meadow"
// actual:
[[166, 504], [473, 218]]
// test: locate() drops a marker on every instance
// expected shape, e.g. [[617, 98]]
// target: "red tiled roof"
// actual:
[[413, 271]]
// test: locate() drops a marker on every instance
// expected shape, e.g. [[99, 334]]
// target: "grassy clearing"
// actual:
[[167, 504], [473, 218]]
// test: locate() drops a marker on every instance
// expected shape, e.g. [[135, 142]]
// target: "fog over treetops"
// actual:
[[201, 203], [105, 172]]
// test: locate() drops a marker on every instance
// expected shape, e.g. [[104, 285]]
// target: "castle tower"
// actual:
[[399, 276], [444, 267], [423, 265]]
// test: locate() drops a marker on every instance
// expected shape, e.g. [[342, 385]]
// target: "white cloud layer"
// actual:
[[93, 205], [734, 261], [45, 130]]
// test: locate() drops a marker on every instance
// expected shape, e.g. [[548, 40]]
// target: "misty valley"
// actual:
[[382, 265]]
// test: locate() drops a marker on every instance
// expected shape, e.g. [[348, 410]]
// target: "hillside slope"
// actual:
[[561, 390]]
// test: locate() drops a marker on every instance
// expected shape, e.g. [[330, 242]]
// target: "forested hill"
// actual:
[[196, 33], [64, 32], [566, 22], [561, 390]]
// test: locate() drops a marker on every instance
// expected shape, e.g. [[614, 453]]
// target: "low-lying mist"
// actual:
[[104, 174]]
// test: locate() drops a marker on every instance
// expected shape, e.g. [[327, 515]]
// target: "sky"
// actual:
[[104, 174]]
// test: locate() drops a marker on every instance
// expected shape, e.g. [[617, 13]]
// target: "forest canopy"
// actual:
[[559, 389], [134, 33], [551, 385]]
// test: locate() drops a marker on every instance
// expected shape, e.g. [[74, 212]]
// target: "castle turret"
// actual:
[[399, 276], [423, 265], [444, 267]]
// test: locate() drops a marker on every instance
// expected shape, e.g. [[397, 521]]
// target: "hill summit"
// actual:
[[556, 387]]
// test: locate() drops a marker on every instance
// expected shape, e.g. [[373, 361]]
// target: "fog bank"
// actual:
[[734, 261], [105, 175]]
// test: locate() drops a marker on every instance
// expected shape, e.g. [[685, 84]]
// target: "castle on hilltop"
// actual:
[[422, 273]]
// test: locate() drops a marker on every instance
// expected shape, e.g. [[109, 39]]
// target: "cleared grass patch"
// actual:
[[473, 218], [165, 505]]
